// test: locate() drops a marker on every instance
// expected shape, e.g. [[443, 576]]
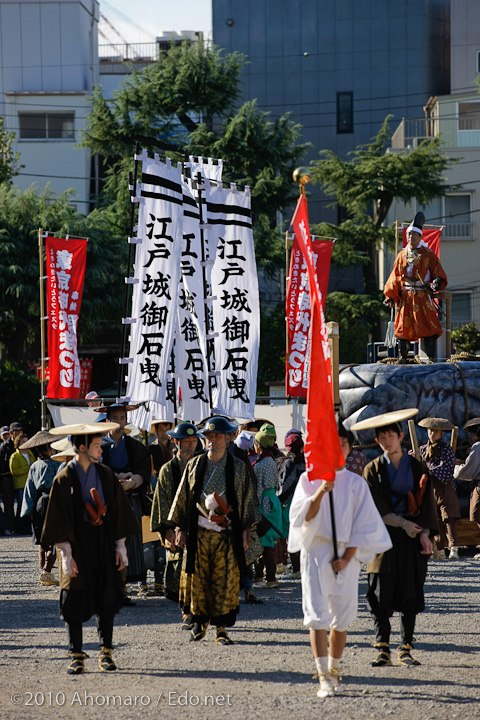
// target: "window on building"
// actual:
[[458, 216], [345, 112], [469, 116], [461, 309], [478, 62], [46, 126]]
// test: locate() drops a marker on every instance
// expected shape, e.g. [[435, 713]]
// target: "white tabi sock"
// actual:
[[333, 663], [322, 665]]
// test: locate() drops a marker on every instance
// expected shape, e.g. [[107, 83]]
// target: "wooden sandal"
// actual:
[[383, 657]]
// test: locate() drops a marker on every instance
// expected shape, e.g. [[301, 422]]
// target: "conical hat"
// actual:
[[436, 424], [65, 454], [85, 429], [42, 437], [378, 421], [472, 423]]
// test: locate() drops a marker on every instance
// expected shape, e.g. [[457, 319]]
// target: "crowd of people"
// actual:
[[215, 507]]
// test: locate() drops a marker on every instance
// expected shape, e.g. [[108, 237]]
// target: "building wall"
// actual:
[[392, 54], [48, 62], [465, 45]]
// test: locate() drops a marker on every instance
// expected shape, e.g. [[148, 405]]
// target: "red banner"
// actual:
[[429, 236], [86, 365], [299, 312], [323, 453], [66, 261]]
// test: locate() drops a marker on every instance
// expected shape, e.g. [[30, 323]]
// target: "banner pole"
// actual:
[[286, 310], [208, 330], [42, 331], [133, 183]]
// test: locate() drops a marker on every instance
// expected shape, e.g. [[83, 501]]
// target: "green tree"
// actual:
[[9, 166], [20, 393], [366, 185], [185, 104], [21, 214]]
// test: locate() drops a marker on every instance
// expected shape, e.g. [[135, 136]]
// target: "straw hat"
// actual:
[[156, 422], [66, 454], [85, 429], [390, 418], [436, 424], [42, 437], [114, 406], [472, 423]]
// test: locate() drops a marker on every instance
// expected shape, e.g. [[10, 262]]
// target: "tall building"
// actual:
[[48, 65], [455, 117], [340, 66]]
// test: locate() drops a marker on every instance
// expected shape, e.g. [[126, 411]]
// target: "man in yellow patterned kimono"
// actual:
[[214, 511], [416, 275]]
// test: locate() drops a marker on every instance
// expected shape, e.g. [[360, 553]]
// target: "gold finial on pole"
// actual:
[[301, 176]]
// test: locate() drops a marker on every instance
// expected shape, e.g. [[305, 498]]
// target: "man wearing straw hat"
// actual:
[[416, 275], [214, 510], [439, 458], [469, 471], [131, 463], [401, 487], [88, 518], [35, 497]]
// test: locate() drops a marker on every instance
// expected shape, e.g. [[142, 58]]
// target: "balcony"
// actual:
[[131, 52], [412, 132], [457, 231]]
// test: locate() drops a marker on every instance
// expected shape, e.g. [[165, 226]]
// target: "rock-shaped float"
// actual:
[[445, 390]]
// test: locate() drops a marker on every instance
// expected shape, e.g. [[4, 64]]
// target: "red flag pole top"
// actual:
[[323, 453]]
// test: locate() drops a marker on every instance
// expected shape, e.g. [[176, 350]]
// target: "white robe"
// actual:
[[358, 524]]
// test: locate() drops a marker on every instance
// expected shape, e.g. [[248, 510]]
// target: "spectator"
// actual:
[[36, 495], [19, 463], [6, 481]]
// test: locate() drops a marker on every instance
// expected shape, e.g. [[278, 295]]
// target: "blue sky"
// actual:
[[150, 18]]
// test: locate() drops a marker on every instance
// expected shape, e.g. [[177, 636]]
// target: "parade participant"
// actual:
[[239, 444], [88, 518], [416, 275], [6, 481], [214, 510], [439, 457], [356, 460], [20, 463], [266, 473], [329, 586], [402, 490], [93, 399], [161, 449], [130, 462], [469, 471], [292, 470], [35, 498], [185, 436]]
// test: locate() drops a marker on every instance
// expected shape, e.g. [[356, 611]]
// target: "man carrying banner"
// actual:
[[329, 586], [402, 489], [88, 518], [214, 511], [416, 275]]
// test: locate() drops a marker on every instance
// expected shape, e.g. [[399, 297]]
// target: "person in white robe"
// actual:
[[330, 587]]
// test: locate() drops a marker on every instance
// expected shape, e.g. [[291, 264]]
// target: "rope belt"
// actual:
[[413, 285]]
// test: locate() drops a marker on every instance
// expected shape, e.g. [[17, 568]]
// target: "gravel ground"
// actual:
[[266, 674]]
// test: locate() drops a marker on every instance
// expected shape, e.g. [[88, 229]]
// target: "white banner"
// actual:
[[207, 167], [190, 343], [156, 280], [236, 311]]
